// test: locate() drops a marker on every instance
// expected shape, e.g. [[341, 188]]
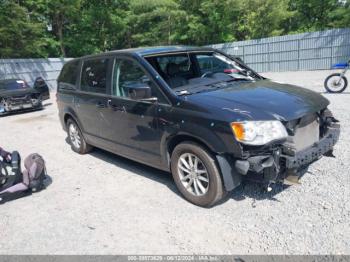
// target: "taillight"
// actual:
[[231, 71]]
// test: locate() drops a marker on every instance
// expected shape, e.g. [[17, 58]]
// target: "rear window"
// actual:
[[14, 85], [68, 76], [182, 62], [94, 76]]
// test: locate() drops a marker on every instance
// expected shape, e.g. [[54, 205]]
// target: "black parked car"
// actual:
[[16, 95], [196, 112]]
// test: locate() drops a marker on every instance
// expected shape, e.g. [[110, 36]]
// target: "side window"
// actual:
[[68, 75], [94, 76], [128, 75]]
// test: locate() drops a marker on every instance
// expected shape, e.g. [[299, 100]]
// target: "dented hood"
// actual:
[[262, 100]]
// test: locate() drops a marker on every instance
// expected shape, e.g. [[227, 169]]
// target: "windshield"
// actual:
[[13, 85], [186, 72]]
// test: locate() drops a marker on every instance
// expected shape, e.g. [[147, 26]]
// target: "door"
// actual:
[[132, 124], [89, 101], [41, 86]]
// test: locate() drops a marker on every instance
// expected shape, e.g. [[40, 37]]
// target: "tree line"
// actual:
[[72, 28]]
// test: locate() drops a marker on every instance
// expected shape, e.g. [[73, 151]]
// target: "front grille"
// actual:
[[303, 133]]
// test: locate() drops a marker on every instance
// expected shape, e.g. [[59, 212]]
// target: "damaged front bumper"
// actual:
[[11, 104], [281, 164], [285, 165], [314, 152]]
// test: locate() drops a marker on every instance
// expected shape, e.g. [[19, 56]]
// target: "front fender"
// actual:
[[213, 135]]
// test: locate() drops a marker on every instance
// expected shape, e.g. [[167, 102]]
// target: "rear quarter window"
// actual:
[[68, 76]]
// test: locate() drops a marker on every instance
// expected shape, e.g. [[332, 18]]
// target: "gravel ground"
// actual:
[[104, 204]]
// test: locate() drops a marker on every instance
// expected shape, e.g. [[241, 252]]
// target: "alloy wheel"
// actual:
[[193, 174], [74, 135]]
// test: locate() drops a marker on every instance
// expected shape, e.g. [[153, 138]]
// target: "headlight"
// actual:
[[258, 132]]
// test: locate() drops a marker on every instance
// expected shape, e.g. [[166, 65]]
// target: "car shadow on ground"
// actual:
[[23, 112], [256, 192], [136, 168], [247, 190], [327, 93], [47, 104]]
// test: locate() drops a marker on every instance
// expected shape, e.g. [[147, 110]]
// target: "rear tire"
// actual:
[[196, 174], [2, 106], [76, 138], [331, 85]]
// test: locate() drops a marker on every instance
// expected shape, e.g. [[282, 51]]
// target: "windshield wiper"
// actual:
[[239, 79], [182, 92]]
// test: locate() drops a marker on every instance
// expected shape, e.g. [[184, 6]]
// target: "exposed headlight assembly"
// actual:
[[258, 133]]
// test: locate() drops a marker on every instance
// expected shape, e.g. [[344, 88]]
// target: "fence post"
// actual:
[[298, 54], [243, 52], [269, 57]]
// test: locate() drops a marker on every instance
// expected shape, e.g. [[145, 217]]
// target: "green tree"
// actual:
[[41, 28], [313, 15], [340, 17], [60, 14], [153, 22], [263, 18], [100, 26], [19, 36]]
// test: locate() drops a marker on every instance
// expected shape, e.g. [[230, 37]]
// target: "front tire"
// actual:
[[196, 174], [335, 83], [76, 138]]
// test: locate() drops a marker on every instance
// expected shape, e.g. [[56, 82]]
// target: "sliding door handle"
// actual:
[[100, 105], [115, 107]]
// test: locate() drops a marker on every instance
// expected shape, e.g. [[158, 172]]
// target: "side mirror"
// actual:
[[140, 91]]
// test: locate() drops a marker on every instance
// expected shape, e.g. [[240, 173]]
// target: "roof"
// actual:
[[166, 49], [6, 81], [145, 51]]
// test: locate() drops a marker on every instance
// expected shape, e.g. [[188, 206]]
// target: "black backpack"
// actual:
[[10, 172]]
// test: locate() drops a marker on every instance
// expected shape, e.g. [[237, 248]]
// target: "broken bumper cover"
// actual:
[[11, 106], [314, 152], [276, 165]]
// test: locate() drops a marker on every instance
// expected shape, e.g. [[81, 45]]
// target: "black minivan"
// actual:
[[197, 112]]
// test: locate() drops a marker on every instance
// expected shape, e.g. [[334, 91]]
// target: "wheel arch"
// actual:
[[230, 177], [66, 117], [70, 114], [175, 140]]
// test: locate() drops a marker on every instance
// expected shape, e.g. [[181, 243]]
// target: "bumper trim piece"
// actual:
[[314, 152]]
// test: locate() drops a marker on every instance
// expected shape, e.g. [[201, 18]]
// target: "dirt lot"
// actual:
[[104, 204]]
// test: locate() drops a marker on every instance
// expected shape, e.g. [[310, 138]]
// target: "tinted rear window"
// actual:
[[68, 76], [94, 76]]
